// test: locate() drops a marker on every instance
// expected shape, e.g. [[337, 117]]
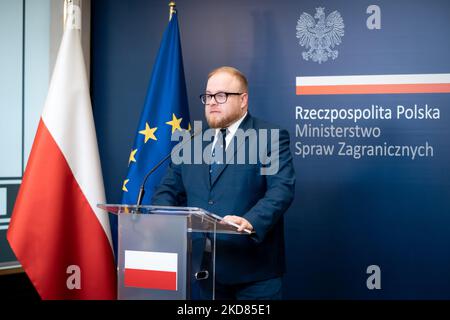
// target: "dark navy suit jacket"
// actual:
[[240, 190]]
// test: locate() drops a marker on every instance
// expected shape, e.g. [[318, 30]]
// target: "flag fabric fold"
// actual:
[[58, 234], [165, 111]]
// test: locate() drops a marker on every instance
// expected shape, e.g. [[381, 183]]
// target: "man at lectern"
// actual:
[[249, 181]]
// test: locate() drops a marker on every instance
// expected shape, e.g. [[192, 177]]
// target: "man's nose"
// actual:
[[212, 101]]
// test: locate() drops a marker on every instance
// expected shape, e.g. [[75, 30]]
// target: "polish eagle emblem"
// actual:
[[320, 37]]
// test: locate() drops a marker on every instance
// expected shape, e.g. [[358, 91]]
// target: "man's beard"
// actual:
[[222, 121]]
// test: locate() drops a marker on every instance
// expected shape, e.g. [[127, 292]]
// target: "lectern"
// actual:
[[166, 252]]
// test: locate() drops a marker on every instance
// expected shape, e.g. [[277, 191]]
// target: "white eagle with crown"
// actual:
[[320, 37]]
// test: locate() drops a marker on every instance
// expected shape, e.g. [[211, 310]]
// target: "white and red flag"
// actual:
[[57, 233], [151, 270], [374, 84]]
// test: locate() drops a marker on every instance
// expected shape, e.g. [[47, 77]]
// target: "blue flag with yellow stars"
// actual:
[[165, 111]]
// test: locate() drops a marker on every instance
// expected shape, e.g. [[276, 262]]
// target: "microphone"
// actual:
[[142, 188]]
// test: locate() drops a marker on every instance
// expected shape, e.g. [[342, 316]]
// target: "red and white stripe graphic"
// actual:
[[151, 270], [374, 84], [55, 222]]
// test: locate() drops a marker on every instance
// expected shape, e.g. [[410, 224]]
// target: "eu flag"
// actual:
[[165, 111]]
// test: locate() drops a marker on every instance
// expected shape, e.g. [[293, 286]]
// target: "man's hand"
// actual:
[[241, 222]]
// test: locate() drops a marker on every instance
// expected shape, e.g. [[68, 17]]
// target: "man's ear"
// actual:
[[244, 100]]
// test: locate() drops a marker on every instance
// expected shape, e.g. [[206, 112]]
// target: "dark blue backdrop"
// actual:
[[347, 213]]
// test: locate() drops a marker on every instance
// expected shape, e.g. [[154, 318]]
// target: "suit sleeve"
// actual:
[[171, 190], [279, 194]]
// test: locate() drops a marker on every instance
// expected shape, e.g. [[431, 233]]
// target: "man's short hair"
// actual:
[[234, 72]]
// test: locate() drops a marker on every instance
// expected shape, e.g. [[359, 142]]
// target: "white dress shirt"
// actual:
[[231, 132]]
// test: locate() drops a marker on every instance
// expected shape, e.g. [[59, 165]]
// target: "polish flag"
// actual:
[[151, 270], [374, 84], [57, 232]]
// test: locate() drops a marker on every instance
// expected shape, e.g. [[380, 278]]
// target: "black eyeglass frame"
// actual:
[[204, 95]]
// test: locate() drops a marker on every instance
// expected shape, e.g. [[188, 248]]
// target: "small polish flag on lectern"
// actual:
[[151, 270]]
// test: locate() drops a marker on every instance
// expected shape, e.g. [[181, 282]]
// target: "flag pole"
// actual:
[[172, 9]]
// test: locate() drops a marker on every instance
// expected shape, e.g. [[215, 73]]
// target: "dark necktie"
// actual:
[[218, 155]]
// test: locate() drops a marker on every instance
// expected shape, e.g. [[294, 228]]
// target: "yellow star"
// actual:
[[175, 123], [149, 133], [189, 127], [132, 154], [124, 187]]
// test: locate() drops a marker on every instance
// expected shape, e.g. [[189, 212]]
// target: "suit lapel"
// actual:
[[230, 155], [207, 151]]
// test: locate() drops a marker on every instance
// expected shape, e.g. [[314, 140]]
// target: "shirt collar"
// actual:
[[233, 127]]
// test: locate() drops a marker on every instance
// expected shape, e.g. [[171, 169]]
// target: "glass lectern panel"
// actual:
[[166, 252]]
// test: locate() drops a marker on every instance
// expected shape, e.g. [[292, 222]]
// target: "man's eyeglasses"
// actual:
[[220, 97]]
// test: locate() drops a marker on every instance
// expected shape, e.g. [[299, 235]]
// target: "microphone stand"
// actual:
[[142, 188]]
